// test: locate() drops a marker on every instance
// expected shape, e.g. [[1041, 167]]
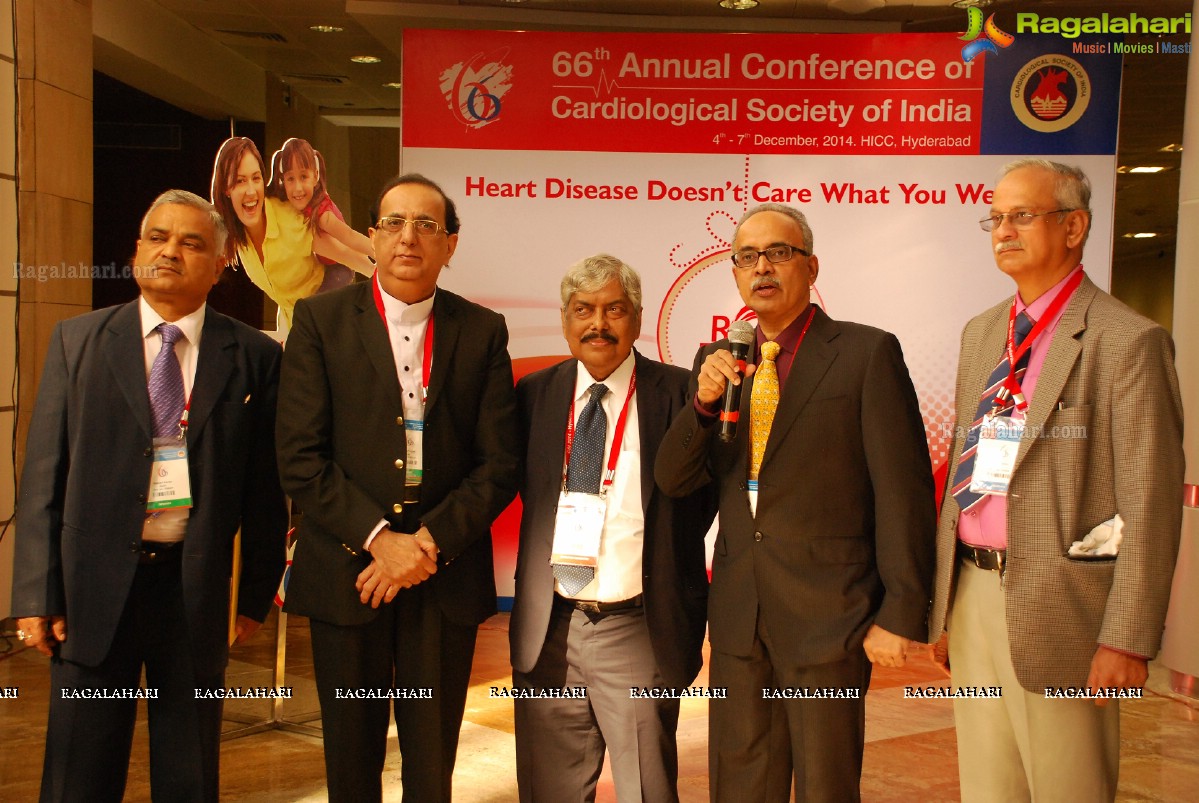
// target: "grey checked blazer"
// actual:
[[1115, 446]]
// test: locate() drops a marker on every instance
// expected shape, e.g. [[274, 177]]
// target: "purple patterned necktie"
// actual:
[[166, 384], [583, 475]]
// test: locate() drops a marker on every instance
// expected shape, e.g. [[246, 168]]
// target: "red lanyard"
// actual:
[[427, 360], [1014, 354], [617, 439]]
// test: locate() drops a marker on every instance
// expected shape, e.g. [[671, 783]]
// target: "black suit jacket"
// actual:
[[844, 533], [341, 429], [674, 577], [87, 471]]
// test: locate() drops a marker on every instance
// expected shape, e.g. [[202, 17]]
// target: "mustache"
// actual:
[[599, 336], [765, 281], [1008, 245]]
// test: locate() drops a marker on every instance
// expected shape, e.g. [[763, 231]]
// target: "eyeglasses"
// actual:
[[1020, 220], [775, 253], [425, 228]]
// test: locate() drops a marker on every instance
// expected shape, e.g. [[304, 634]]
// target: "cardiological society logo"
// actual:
[[475, 89]]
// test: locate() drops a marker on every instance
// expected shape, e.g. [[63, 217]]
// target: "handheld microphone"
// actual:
[[741, 340]]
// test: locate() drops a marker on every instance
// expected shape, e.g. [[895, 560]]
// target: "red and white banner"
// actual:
[[556, 146]]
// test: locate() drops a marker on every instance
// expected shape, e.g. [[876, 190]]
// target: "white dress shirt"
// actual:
[[618, 569]]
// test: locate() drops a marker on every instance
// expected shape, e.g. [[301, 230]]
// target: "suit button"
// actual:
[[141, 498], [148, 452], [399, 464], [399, 420], [134, 546], [757, 536], [397, 508]]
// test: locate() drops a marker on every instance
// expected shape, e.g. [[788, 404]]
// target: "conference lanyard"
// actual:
[[1010, 385], [427, 359], [617, 439]]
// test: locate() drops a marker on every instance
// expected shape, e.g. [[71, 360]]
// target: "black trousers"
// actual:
[[88, 740], [758, 746], [411, 647]]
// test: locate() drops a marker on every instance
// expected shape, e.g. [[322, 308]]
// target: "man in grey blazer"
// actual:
[[114, 571], [637, 622], [1055, 554], [830, 572]]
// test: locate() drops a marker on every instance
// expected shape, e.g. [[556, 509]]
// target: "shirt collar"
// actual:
[[191, 324], [617, 382], [1037, 308], [400, 313], [788, 339]]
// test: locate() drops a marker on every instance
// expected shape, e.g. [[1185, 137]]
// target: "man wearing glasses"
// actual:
[[1060, 522], [397, 437], [824, 559]]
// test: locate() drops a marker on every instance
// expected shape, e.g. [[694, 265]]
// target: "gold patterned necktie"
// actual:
[[763, 401]]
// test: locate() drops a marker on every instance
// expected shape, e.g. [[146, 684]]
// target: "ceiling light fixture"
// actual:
[[971, 3], [856, 6], [1147, 169], [365, 59], [392, 85], [738, 5], [325, 28], [1173, 147], [1140, 235]]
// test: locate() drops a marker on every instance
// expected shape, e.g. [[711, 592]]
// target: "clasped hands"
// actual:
[[399, 560]]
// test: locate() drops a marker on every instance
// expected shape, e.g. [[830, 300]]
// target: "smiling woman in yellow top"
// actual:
[[271, 240]]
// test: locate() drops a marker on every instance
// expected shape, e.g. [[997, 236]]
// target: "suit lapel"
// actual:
[[376, 344], [652, 414], [447, 328], [124, 348], [1059, 362], [214, 366], [816, 354], [549, 434]]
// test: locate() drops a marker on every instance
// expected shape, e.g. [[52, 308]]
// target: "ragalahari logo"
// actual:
[[992, 36], [475, 89]]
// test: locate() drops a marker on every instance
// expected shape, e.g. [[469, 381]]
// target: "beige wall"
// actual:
[[8, 291], [53, 182]]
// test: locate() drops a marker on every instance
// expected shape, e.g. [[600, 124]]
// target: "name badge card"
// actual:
[[414, 434], [998, 443], [577, 528], [170, 483], [752, 494]]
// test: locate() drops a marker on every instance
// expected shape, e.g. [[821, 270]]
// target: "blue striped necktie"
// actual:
[[965, 473]]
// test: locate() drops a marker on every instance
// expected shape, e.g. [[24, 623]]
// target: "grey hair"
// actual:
[[590, 274], [1071, 187], [782, 209], [185, 198]]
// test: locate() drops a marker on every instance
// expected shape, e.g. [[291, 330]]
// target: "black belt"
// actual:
[[152, 552], [594, 606], [992, 560]]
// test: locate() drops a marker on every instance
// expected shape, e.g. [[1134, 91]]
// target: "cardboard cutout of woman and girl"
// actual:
[[286, 232]]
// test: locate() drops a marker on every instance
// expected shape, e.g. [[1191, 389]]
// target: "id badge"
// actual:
[[414, 434], [170, 483], [998, 443], [577, 528]]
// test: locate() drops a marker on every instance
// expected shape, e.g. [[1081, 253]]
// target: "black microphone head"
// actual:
[[741, 333]]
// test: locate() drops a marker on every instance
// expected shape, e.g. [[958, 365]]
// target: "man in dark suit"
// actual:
[[635, 618], [823, 560], [397, 437], [114, 569], [1057, 578]]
